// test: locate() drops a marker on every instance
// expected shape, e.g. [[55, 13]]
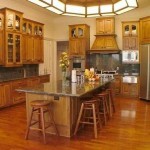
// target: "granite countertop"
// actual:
[[57, 88], [19, 78]]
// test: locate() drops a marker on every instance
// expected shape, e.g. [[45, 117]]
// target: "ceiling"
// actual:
[[89, 2]]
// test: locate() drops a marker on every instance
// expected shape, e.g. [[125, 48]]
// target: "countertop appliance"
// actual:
[[145, 72]]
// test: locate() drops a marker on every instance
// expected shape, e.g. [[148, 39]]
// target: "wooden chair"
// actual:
[[40, 107], [89, 114]]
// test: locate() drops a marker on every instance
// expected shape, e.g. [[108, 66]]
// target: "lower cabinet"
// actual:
[[130, 89], [18, 97], [5, 94], [8, 94], [117, 84]]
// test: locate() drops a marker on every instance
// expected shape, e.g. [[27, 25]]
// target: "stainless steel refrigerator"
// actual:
[[145, 72]]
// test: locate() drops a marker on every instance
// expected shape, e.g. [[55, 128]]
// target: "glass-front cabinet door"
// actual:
[[1, 22], [17, 48], [9, 48], [130, 29], [80, 31], [13, 21], [13, 49]]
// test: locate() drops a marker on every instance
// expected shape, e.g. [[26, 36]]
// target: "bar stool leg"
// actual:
[[107, 107], [43, 124], [79, 118], [28, 124], [53, 122], [95, 124]]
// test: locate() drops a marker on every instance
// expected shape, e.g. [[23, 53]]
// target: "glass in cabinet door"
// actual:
[[1, 21], [10, 21], [17, 22], [17, 48], [29, 28], [35, 30], [80, 32], [40, 31], [73, 33], [24, 27], [10, 47], [134, 30], [126, 30]]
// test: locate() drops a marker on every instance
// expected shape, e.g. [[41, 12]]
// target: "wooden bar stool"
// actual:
[[40, 107], [103, 99], [87, 109], [111, 101]]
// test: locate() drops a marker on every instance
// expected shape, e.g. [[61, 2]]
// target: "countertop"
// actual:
[[57, 88], [19, 78]]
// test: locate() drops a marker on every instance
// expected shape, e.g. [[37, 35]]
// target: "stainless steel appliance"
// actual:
[[78, 63], [145, 72]]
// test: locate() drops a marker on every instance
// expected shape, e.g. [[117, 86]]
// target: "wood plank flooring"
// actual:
[[128, 129]]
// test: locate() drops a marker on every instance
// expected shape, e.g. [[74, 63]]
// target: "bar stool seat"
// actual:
[[89, 114], [40, 107]]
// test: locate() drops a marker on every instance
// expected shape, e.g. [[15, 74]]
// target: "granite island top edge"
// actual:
[[57, 88]]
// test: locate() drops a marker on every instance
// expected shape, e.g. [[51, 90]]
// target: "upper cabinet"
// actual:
[[130, 28], [105, 26], [78, 31], [130, 34], [145, 30], [32, 42], [11, 36], [79, 39], [13, 20]]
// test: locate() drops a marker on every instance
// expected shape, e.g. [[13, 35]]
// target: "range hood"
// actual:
[[105, 44]]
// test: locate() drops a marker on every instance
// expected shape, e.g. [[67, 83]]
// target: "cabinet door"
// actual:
[[145, 30], [5, 94], [126, 89], [134, 89], [130, 43], [105, 26], [117, 84], [81, 31], [18, 51], [130, 29], [10, 46], [81, 46], [38, 50], [1, 47], [18, 96], [73, 47]]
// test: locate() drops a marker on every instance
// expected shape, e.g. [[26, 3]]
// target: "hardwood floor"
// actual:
[[129, 128]]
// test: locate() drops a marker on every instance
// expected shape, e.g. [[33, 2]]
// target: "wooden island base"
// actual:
[[65, 112]]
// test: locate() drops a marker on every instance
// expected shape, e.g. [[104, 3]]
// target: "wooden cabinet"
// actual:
[[79, 39], [130, 43], [129, 88], [1, 47], [145, 30], [5, 94], [105, 25], [104, 43], [44, 78], [117, 84], [33, 81], [32, 42], [11, 37], [130, 35], [13, 50], [18, 97]]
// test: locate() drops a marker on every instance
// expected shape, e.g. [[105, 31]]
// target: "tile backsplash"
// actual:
[[18, 72]]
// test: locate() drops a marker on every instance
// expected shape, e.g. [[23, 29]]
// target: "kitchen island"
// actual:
[[66, 99]]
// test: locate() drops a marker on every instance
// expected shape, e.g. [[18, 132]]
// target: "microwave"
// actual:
[[130, 56]]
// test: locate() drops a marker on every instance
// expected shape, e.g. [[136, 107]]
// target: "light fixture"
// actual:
[[94, 8]]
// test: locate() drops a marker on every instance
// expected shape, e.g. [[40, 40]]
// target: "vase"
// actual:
[[64, 74]]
